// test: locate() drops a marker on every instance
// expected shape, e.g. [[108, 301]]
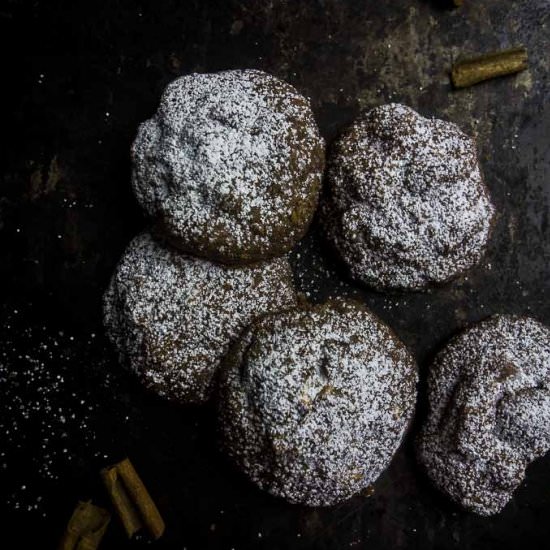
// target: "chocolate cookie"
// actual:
[[489, 396], [230, 166], [173, 317], [315, 401], [407, 205]]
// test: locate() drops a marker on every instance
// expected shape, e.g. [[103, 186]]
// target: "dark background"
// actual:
[[76, 80]]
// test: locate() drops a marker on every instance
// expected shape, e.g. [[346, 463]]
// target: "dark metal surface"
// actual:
[[77, 82]]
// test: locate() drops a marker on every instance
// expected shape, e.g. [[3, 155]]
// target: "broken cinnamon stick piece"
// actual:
[[133, 504], [85, 528], [139, 494], [467, 72], [124, 507]]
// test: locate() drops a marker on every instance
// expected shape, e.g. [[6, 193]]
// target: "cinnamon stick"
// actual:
[[467, 72], [133, 504], [85, 528]]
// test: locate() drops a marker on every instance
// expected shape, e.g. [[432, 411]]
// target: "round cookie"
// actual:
[[173, 317], [230, 165], [315, 401], [489, 414], [407, 207]]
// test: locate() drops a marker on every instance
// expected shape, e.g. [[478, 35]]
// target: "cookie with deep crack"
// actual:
[[315, 401], [489, 411]]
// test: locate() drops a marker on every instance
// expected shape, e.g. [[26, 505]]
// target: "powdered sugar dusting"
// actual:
[[315, 401], [56, 393], [408, 206], [489, 393], [173, 317], [230, 165]]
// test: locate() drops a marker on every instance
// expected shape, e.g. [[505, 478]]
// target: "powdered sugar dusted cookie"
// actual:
[[230, 165], [315, 401], [173, 317], [407, 204], [489, 417]]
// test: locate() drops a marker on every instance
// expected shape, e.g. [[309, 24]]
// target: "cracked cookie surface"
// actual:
[[229, 167], [489, 415], [172, 317], [407, 207], [315, 401]]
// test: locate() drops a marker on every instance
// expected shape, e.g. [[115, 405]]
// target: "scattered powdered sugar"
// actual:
[[489, 396], [230, 165], [173, 317], [315, 401], [408, 206], [53, 396]]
